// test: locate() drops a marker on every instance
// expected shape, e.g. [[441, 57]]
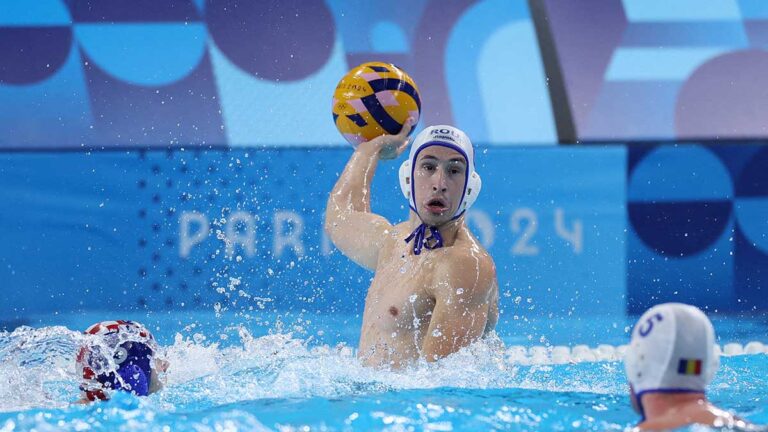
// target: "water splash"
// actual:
[[37, 367], [214, 385]]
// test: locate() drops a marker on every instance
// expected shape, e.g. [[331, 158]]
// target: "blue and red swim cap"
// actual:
[[117, 355]]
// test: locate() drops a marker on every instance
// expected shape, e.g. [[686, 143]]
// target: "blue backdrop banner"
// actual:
[[242, 229], [577, 230]]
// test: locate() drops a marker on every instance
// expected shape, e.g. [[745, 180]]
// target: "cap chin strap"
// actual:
[[434, 241]]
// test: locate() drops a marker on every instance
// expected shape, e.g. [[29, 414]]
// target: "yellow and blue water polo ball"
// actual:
[[374, 99]]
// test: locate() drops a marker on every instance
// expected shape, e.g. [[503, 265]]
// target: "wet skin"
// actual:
[[667, 411], [428, 305]]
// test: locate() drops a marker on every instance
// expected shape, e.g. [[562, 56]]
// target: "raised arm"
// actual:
[[464, 294], [357, 232]]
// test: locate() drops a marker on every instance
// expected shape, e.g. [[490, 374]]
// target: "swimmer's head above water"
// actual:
[[669, 363], [672, 350], [439, 180], [118, 355]]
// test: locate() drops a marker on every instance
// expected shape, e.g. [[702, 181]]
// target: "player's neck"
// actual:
[[657, 405], [449, 231]]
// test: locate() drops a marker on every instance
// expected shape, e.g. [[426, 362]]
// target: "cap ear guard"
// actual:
[[134, 380], [120, 355], [405, 180], [474, 184]]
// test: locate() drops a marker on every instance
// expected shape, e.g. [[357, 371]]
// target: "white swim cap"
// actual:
[[446, 136], [672, 350]]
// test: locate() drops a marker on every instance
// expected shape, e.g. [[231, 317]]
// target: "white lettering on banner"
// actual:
[[239, 232], [245, 238], [290, 239], [521, 246], [575, 237], [187, 239], [484, 225], [526, 220]]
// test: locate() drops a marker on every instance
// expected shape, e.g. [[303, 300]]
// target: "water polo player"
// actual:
[[434, 290], [118, 356], [669, 363]]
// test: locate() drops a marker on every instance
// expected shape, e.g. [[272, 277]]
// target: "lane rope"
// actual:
[[583, 353]]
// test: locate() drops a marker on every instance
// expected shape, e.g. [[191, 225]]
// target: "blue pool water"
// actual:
[[298, 372]]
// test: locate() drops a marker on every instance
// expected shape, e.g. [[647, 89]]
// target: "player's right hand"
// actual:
[[391, 146]]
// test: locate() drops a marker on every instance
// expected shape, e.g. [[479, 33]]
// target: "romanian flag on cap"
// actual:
[[689, 367]]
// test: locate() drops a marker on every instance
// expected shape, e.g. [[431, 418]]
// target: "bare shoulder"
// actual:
[[468, 256], [401, 230], [708, 415], [466, 266], [396, 234]]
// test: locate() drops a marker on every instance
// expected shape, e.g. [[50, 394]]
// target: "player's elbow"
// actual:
[[331, 216], [331, 224], [327, 224]]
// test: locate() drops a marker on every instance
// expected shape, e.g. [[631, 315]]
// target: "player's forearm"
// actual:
[[435, 348], [452, 329], [352, 192]]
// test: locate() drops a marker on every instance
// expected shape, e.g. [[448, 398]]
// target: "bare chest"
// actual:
[[399, 299]]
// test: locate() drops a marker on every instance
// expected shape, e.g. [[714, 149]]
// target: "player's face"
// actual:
[[439, 177]]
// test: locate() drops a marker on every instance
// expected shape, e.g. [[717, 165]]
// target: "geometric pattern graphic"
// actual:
[[661, 70], [95, 74], [698, 226], [101, 74]]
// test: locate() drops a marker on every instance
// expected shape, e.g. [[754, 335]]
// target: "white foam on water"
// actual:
[[38, 370], [36, 365]]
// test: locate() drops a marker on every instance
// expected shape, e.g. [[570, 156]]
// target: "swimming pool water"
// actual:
[[298, 372]]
